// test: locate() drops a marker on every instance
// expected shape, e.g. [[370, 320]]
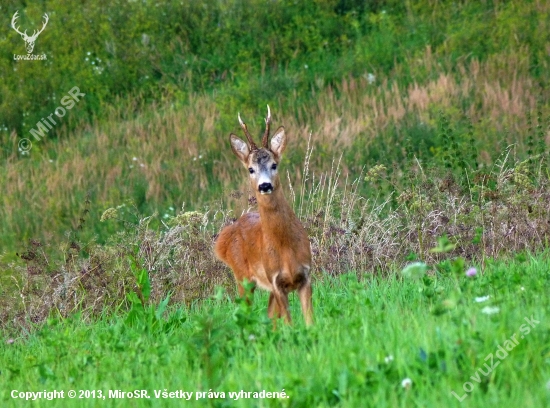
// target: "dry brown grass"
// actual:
[[495, 94], [167, 141], [499, 213], [159, 152]]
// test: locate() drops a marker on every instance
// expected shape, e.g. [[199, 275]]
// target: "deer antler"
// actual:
[[13, 21], [267, 123], [247, 134], [36, 34]]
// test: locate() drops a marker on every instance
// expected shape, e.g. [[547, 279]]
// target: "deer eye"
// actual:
[[251, 170], [274, 166]]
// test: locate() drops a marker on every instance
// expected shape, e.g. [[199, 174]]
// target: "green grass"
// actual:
[[440, 115], [160, 89], [433, 328]]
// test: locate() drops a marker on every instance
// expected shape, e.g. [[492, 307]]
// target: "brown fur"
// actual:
[[270, 248]]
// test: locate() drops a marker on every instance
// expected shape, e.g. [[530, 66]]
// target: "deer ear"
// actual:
[[240, 148], [278, 142]]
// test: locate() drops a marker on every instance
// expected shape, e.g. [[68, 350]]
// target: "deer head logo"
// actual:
[[29, 40]]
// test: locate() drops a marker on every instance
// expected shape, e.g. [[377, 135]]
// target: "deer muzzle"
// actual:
[[265, 188]]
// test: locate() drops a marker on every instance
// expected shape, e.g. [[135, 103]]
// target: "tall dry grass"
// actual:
[[170, 154], [503, 212]]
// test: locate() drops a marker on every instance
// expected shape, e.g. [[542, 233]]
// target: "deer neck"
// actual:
[[276, 214]]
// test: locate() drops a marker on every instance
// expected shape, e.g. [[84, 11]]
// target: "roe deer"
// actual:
[[271, 248]]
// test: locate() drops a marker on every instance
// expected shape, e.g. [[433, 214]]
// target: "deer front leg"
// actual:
[[273, 311], [280, 295], [305, 293], [272, 307], [285, 307]]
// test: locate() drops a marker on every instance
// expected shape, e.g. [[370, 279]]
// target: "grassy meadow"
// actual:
[[419, 135], [371, 334]]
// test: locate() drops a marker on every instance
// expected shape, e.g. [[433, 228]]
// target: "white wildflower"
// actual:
[[490, 310], [406, 383]]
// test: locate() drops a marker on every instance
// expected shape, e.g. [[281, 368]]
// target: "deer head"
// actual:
[[29, 40], [261, 162]]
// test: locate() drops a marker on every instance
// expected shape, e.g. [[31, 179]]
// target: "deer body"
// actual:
[[271, 248]]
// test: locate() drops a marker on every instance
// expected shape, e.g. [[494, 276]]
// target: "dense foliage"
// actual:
[[250, 51]]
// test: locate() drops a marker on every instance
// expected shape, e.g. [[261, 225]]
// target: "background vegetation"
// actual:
[[434, 116], [419, 132], [379, 82]]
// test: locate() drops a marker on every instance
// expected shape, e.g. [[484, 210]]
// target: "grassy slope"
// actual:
[[471, 59], [339, 361]]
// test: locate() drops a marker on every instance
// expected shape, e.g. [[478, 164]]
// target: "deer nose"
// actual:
[[265, 188]]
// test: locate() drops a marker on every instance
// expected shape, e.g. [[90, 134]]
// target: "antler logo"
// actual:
[[29, 40]]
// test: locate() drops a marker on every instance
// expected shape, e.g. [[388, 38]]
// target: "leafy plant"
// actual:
[[141, 312]]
